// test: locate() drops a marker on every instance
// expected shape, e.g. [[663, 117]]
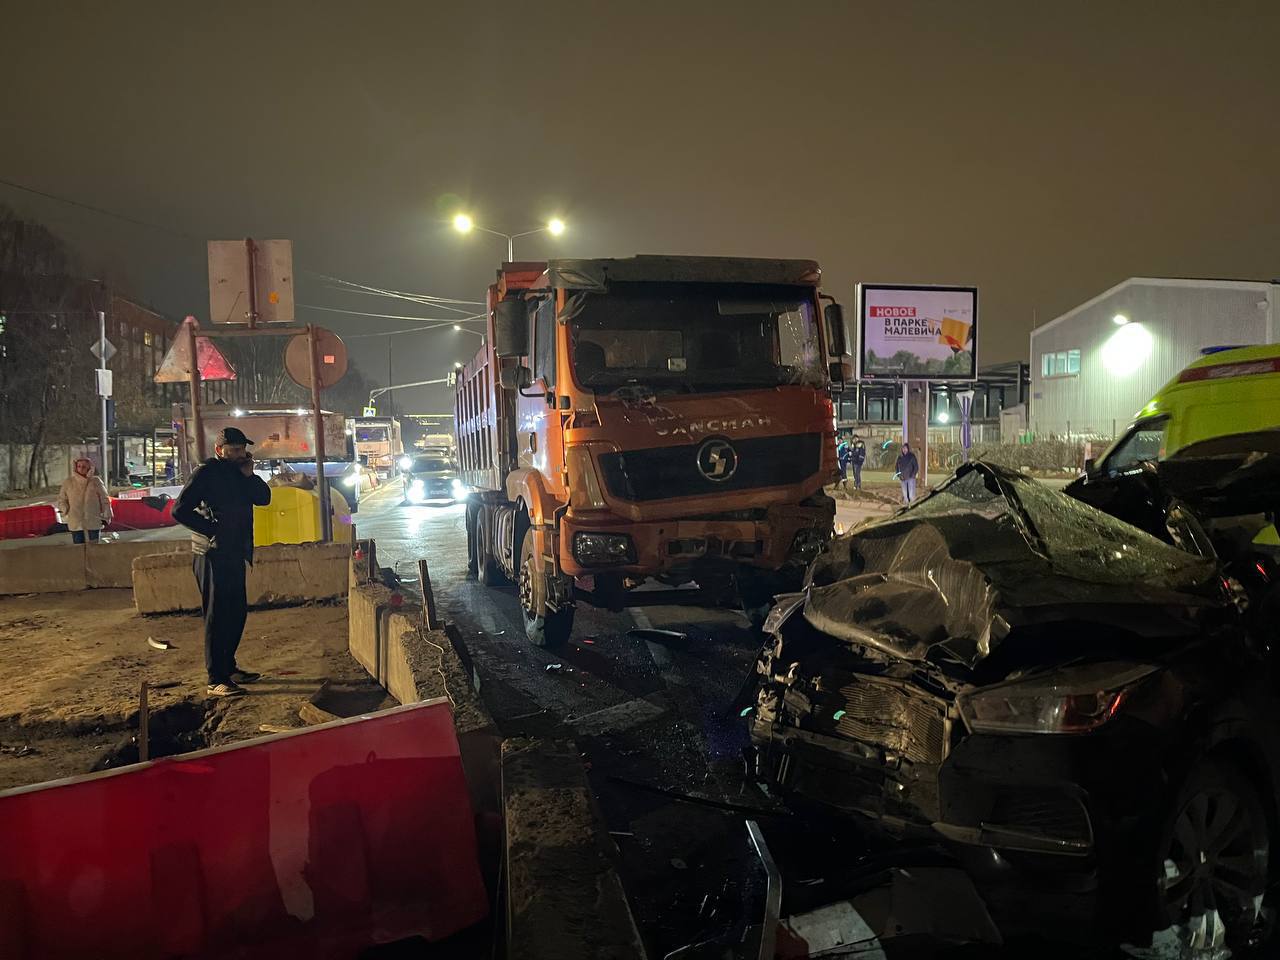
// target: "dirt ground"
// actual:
[[71, 665]]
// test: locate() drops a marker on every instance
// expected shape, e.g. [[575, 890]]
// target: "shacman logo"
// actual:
[[692, 428], [717, 460]]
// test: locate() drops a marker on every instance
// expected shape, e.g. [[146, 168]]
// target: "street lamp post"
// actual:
[[465, 224]]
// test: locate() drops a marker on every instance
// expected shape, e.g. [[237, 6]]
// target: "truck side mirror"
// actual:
[[514, 378], [511, 329], [1089, 469], [842, 369], [833, 314]]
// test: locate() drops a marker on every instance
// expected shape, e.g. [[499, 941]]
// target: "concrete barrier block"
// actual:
[[110, 565], [365, 605], [281, 574], [164, 583], [564, 898], [44, 568], [298, 572]]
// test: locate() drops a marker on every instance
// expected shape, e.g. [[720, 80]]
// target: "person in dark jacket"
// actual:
[[908, 467], [217, 506], [842, 460], [857, 457]]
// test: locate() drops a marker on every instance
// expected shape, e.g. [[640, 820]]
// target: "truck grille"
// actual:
[[911, 725], [662, 472]]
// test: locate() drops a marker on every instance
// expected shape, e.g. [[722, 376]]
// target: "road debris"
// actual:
[[159, 644]]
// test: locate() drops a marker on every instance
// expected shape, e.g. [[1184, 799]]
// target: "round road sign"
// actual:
[[332, 359]]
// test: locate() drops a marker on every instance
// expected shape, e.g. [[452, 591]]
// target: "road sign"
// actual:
[[370, 411], [270, 265], [103, 380], [333, 358], [98, 349], [176, 365]]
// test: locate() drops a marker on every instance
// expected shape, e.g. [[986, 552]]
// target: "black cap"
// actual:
[[231, 435]]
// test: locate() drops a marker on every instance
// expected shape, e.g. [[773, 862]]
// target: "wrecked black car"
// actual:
[[1079, 711]]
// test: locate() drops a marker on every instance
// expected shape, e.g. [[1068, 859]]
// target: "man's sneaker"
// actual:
[[245, 676], [227, 689]]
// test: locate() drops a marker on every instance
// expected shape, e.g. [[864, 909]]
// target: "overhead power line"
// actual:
[[393, 316]]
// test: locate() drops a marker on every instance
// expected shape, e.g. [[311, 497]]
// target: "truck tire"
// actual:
[[546, 628], [490, 573]]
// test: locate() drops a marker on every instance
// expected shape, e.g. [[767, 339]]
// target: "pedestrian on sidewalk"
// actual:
[[908, 468], [217, 506], [83, 503], [842, 460], [857, 457]]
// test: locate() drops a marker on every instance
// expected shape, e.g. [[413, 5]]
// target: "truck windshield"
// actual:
[[694, 336], [371, 434]]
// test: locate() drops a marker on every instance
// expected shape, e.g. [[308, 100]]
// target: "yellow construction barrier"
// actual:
[[293, 516]]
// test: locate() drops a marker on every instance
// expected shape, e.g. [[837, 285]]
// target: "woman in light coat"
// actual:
[[83, 502]]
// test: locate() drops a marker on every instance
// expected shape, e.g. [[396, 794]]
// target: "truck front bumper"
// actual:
[[770, 539]]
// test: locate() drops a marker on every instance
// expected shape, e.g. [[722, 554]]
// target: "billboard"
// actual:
[[913, 332]]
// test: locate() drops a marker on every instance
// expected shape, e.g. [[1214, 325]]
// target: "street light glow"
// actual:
[[1119, 319], [943, 416], [457, 326], [555, 226], [462, 223]]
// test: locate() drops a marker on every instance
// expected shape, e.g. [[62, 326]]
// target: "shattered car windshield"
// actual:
[[1081, 542], [694, 336]]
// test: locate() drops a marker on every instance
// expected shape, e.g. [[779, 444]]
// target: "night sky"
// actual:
[[1043, 151]]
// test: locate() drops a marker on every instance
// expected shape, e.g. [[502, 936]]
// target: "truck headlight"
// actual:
[[460, 490], [603, 549], [416, 489], [1071, 700], [406, 464], [349, 480]]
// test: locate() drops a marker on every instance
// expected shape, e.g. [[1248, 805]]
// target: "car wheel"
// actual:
[[1212, 866], [490, 574], [546, 628]]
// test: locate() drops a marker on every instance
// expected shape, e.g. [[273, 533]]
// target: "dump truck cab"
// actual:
[[654, 417]]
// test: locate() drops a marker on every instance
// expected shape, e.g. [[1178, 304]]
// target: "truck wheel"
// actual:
[[491, 574], [473, 546], [546, 628]]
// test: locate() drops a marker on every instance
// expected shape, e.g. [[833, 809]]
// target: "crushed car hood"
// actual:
[[990, 550]]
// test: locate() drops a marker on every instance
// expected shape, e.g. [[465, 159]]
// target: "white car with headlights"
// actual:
[[431, 478]]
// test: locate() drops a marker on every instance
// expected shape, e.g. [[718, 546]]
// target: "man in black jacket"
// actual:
[[217, 506]]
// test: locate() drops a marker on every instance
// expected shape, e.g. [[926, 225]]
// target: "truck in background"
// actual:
[[282, 437], [378, 443], [652, 417]]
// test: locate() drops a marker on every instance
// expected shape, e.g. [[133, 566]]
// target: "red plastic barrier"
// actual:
[[139, 515], [316, 844], [33, 521]]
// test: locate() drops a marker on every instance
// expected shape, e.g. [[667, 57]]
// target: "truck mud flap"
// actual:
[[314, 843]]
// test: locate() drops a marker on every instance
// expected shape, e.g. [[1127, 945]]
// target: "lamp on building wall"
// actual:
[[1127, 349]]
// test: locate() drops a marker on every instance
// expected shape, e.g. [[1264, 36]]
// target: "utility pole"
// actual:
[[102, 400]]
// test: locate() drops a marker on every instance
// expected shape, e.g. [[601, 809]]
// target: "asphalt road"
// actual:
[[658, 722]]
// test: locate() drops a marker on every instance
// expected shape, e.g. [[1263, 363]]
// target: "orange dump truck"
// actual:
[[651, 417]]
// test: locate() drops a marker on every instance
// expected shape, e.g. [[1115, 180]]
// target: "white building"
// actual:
[[1096, 366]]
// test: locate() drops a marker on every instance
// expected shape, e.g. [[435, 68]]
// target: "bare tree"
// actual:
[[46, 386]]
